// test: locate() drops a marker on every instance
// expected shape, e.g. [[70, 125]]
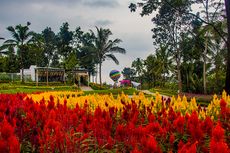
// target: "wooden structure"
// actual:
[[81, 76], [54, 74]]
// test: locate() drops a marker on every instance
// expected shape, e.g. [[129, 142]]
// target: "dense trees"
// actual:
[[21, 38], [196, 41], [67, 49]]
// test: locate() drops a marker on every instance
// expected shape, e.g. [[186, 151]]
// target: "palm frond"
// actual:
[[117, 49], [13, 33], [111, 56], [117, 41]]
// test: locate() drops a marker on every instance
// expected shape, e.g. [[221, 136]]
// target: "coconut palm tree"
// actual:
[[21, 37], [105, 48]]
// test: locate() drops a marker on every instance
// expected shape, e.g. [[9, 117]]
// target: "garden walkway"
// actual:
[[151, 93], [86, 88]]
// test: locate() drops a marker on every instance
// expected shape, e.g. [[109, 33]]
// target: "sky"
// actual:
[[131, 28]]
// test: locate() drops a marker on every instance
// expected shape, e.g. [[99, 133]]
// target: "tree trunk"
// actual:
[[204, 66], [47, 76], [227, 81], [179, 77], [96, 74], [23, 80], [100, 74], [22, 66]]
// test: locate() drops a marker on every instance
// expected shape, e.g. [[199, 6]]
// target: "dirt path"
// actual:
[[86, 88], [151, 93]]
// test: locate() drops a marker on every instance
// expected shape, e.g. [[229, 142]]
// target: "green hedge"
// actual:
[[95, 86]]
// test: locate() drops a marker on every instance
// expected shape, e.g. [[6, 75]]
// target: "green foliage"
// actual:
[[128, 91], [4, 78], [21, 38], [96, 86], [194, 48], [104, 48], [64, 40], [17, 87], [128, 73]]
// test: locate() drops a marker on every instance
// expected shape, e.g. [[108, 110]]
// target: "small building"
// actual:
[[39, 74], [54, 74], [81, 76]]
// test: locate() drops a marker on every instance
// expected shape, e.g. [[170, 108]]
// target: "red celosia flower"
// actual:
[[218, 147], [188, 148], [179, 124], [218, 133], [135, 150], [3, 146], [194, 127], [223, 103], [217, 143], [172, 139], [207, 125], [152, 146], [14, 145], [7, 130], [151, 118]]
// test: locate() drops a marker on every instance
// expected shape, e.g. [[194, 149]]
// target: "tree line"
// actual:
[[192, 48], [66, 49]]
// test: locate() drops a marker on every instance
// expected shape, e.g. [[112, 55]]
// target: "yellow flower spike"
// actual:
[[95, 100], [224, 95]]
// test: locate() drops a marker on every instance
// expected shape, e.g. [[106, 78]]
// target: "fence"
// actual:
[[9, 77]]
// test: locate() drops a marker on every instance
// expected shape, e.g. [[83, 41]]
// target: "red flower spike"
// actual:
[[218, 133], [6, 130]]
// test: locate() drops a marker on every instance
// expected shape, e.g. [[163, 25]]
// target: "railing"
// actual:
[[9, 77]]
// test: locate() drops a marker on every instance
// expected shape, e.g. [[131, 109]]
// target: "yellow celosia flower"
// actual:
[[106, 101]]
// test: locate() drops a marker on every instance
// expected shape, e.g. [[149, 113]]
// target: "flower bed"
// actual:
[[69, 122]]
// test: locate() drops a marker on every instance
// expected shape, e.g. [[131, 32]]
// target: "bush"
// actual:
[[4, 78], [96, 86]]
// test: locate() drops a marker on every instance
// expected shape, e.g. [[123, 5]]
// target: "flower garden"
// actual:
[[66, 122]]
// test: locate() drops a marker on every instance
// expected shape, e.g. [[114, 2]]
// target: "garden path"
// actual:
[[86, 88], [151, 93]]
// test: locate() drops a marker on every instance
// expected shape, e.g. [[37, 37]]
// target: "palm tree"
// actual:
[[21, 37], [104, 47], [1, 52]]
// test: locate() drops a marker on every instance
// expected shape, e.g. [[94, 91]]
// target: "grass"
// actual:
[[127, 91], [166, 92], [203, 100], [17, 88]]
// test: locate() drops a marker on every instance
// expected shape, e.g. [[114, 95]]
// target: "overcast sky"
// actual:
[[131, 28]]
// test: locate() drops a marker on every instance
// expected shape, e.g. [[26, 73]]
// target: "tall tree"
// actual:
[[64, 42], [37, 50], [210, 12], [21, 37], [104, 47], [128, 73], [170, 24], [49, 46], [164, 62], [227, 82], [84, 44], [150, 73], [148, 6], [138, 65]]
